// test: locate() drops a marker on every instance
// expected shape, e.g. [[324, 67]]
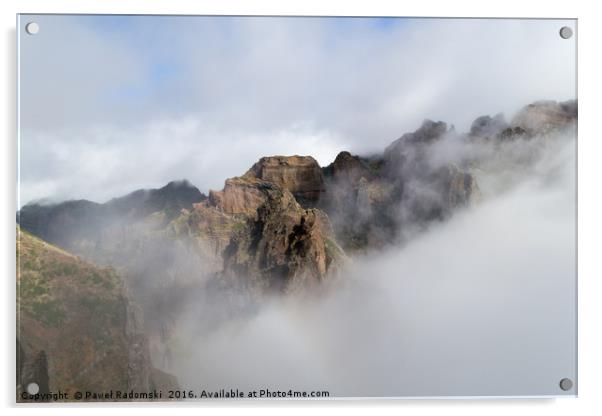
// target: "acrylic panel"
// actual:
[[295, 207]]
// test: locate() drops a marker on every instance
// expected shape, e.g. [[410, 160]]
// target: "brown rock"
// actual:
[[300, 175], [240, 195], [284, 248]]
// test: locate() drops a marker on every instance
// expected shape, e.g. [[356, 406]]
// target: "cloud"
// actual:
[[481, 305], [112, 162], [97, 87]]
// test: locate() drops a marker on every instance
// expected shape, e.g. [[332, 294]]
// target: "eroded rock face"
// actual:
[[284, 248], [300, 175], [240, 196], [255, 232], [262, 233]]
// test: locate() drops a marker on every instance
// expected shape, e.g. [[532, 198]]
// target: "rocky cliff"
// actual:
[[259, 230], [284, 247], [372, 200], [76, 328], [300, 175]]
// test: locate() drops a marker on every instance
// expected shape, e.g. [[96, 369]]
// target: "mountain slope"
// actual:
[[76, 328], [75, 224]]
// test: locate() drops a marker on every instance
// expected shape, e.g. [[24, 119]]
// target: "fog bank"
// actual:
[[481, 305]]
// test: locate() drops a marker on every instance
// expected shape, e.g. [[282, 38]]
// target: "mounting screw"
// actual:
[[33, 388], [32, 28], [566, 32], [566, 384]]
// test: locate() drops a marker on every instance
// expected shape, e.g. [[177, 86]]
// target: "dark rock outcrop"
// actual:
[[487, 126], [62, 223], [74, 225], [372, 200], [169, 200], [407, 153], [348, 168]]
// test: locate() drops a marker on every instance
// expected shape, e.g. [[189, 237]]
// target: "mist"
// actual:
[[479, 305]]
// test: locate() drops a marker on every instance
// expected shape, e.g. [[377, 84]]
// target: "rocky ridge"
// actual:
[[364, 202]]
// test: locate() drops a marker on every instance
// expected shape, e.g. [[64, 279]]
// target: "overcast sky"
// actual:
[[111, 104]]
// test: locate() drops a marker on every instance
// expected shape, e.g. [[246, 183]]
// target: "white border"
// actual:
[[590, 207]]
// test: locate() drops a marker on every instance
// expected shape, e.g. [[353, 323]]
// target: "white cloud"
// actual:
[[114, 161], [99, 87], [481, 305]]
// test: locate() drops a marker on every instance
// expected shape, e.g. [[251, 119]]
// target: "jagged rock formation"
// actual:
[[403, 175], [76, 328], [368, 200], [300, 175], [537, 119], [359, 201], [431, 189], [349, 168], [261, 232], [372, 200], [240, 196], [285, 247]]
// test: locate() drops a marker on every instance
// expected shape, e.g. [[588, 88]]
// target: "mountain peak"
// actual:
[[179, 184], [487, 126], [301, 175]]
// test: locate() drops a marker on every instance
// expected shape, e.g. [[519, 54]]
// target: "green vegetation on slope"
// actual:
[[73, 313]]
